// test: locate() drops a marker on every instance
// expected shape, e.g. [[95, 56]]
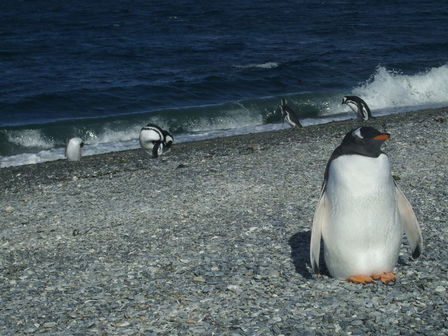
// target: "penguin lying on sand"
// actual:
[[358, 106], [289, 115], [73, 149], [362, 212], [155, 140]]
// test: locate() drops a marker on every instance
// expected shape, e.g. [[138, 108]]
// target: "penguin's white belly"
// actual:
[[353, 106], [363, 234], [73, 149]]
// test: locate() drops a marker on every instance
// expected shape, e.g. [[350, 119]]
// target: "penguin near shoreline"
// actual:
[[154, 140], [362, 212], [289, 114], [73, 149], [359, 106]]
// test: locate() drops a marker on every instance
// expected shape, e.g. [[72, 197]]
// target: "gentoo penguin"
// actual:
[[289, 115], [358, 106], [73, 149], [362, 212], [155, 140]]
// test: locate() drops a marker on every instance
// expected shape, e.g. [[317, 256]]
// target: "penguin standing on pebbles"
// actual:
[[361, 213], [288, 114], [73, 149], [359, 106], [155, 140]]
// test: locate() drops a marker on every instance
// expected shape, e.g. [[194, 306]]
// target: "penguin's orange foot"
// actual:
[[360, 279], [385, 277]]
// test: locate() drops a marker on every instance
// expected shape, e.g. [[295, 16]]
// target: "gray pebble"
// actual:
[[219, 247]]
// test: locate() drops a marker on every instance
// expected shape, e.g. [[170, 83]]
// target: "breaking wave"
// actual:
[[389, 89], [386, 91]]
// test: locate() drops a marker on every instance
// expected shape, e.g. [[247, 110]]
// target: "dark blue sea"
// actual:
[[101, 70]]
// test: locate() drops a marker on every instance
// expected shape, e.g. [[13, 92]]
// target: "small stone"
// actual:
[[234, 288], [9, 209], [49, 325], [30, 330], [120, 324], [198, 279], [440, 289], [276, 319], [337, 328]]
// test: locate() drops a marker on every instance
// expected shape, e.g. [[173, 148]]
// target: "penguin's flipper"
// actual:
[[354, 107], [410, 223], [319, 221]]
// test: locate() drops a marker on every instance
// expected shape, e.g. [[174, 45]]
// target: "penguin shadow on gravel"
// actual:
[[300, 254]]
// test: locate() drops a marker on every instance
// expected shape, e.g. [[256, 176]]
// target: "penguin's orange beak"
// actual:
[[382, 136]]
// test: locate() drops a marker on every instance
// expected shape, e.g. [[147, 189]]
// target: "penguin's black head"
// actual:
[[364, 141]]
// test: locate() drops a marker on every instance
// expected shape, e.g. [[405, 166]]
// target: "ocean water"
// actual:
[[101, 70]]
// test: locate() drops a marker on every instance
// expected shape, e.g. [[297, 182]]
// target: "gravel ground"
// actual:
[[212, 239]]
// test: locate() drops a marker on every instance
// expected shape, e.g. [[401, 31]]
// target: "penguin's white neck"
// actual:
[[360, 174]]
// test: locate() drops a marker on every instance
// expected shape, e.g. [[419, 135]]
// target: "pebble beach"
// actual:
[[213, 239]]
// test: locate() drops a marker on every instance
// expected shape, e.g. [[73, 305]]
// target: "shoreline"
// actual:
[[213, 238], [135, 159]]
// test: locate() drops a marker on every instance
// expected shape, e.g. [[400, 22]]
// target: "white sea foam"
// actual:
[[267, 65], [95, 148], [238, 120], [108, 135], [218, 133], [388, 89], [31, 158], [58, 153], [30, 139], [238, 117]]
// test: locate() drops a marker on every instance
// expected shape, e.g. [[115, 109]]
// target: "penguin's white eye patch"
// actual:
[[357, 133]]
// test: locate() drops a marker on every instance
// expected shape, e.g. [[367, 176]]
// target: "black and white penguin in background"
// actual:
[[361, 213], [155, 140], [288, 114], [359, 106], [73, 149]]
